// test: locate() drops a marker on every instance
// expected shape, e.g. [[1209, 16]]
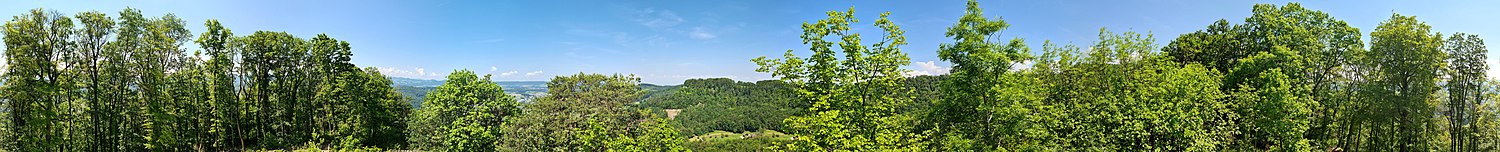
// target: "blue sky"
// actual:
[[665, 42]]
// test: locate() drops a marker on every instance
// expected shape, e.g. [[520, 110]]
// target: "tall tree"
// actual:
[[1466, 75], [337, 93], [985, 101], [267, 65], [223, 99], [856, 98], [1399, 97], [386, 111], [1276, 110], [34, 91], [159, 57], [1486, 126], [101, 98], [1322, 54]]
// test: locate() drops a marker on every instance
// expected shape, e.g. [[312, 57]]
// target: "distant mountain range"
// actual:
[[400, 81], [418, 88]]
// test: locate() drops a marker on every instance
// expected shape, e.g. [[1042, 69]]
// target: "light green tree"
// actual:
[[1398, 112], [986, 103], [1122, 95], [857, 99], [1486, 126], [223, 98], [1321, 51], [34, 89], [590, 112], [1466, 75], [463, 114]]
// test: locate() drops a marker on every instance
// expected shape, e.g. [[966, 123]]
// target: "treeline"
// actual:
[[92, 82], [1286, 79], [721, 114], [723, 104], [126, 84]]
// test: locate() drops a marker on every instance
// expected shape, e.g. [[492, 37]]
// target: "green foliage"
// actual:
[[1466, 74], [858, 99], [34, 92], [761, 140], [1122, 95], [360, 109], [463, 114], [76, 89], [1278, 112], [1399, 99], [724, 104], [1486, 126], [983, 100], [1313, 49], [220, 83], [590, 112]]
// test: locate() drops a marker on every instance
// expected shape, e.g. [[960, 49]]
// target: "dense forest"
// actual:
[[1287, 78]]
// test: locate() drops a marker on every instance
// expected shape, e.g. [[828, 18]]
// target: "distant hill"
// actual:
[[399, 81], [524, 91]]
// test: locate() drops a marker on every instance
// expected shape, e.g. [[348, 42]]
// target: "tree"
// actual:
[[1466, 72], [386, 112], [463, 114], [223, 98], [1398, 112], [985, 101], [855, 99], [265, 56], [1277, 110], [1121, 95], [1321, 52], [101, 98], [33, 87], [354, 108], [159, 57], [1486, 126], [590, 112]]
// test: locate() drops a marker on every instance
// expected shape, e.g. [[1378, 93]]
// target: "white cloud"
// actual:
[[700, 33], [492, 68], [1023, 65], [657, 18], [1493, 73], [928, 68], [509, 73], [538, 72], [391, 71]]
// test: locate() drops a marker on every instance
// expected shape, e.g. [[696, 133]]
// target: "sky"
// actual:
[[668, 41]]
